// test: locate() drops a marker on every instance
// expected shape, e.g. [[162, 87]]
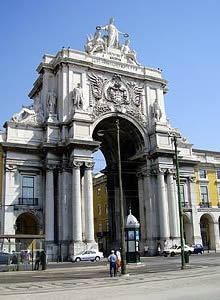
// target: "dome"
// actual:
[[131, 221]]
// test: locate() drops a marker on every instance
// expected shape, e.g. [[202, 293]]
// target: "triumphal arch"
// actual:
[[49, 148]]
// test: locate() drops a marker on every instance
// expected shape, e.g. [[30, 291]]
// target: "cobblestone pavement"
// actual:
[[88, 276], [61, 285]]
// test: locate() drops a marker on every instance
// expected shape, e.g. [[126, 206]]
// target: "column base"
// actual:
[[51, 251]]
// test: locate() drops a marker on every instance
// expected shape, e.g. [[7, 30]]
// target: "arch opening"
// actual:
[[132, 148]]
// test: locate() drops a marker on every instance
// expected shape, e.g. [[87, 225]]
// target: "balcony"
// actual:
[[26, 202], [205, 204]]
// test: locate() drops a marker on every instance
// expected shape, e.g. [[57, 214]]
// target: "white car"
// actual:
[[177, 250], [91, 255]]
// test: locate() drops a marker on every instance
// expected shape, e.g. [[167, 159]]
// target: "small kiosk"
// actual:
[[132, 239]]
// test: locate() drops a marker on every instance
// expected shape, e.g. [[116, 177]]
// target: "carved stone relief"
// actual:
[[116, 95]]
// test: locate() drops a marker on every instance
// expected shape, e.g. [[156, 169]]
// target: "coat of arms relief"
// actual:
[[116, 95]]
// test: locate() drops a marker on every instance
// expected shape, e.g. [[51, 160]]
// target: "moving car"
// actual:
[[198, 248], [90, 255], [177, 250]]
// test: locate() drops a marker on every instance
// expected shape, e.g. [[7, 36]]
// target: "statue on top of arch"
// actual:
[[105, 44]]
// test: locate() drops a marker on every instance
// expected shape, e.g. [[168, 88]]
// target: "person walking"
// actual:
[[43, 260], [37, 261], [118, 254], [112, 263]]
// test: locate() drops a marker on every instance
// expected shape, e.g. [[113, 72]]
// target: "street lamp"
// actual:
[[123, 252], [174, 139]]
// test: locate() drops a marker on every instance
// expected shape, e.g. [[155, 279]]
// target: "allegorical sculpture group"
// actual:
[[104, 44]]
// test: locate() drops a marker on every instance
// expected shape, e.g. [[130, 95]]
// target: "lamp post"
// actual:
[[123, 254], [174, 138], [122, 225]]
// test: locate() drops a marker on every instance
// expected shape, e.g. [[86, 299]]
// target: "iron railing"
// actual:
[[28, 201], [205, 204]]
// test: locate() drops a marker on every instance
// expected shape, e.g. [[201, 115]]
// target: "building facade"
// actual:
[[81, 100], [100, 205]]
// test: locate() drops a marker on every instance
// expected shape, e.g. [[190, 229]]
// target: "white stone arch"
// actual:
[[207, 229], [187, 224], [142, 130]]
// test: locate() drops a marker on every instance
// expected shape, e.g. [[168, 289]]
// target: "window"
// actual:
[[106, 209], [98, 191], [204, 194], [218, 174], [107, 226], [202, 174], [99, 210], [182, 194], [28, 187]]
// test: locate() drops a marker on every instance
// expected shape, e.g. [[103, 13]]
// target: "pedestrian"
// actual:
[[112, 263], [37, 261], [43, 260], [118, 267], [26, 260]]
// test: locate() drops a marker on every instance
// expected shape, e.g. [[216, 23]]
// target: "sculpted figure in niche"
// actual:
[[78, 97], [113, 34], [51, 102], [157, 114], [130, 55]]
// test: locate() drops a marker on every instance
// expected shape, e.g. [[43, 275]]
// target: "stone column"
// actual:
[[65, 203], [173, 206], [76, 202], [150, 214], [89, 216], [195, 218], [141, 211], [216, 236], [49, 205], [163, 207]]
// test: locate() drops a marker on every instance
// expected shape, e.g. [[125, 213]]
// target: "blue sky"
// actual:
[[180, 37]]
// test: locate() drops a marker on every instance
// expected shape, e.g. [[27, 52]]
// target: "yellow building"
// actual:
[[100, 200], [203, 206]]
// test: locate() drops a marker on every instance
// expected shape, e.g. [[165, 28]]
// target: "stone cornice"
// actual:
[[36, 86], [102, 64]]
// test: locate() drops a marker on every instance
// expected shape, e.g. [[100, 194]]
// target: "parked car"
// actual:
[[175, 250], [90, 255], [5, 258], [198, 248]]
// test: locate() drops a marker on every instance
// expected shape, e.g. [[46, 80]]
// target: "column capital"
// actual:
[[170, 172], [192, 179], [50, 167], [159, 171], [89, 165], [76, 164]]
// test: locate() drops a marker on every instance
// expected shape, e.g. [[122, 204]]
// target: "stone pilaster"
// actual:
[[76, 202], [195, 218], [89, 216], [49, 205]]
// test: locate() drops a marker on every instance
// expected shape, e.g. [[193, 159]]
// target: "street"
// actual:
[[155, 278]]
